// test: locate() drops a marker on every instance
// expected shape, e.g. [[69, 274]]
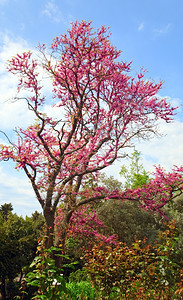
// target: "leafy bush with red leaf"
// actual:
[[141, 271]]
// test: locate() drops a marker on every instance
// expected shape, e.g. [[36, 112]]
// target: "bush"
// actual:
[[79, 275], [141, 271], [46, 276], [81, 290]]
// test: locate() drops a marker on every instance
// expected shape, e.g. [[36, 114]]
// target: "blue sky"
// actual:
[[149, 32]]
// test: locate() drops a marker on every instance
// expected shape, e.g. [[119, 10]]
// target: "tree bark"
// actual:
[[49, 215], [60, 238]]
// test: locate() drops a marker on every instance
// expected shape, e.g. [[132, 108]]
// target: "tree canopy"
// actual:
[[5, 209], [103, 109]]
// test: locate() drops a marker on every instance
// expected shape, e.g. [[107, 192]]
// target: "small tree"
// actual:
[[135, 176], [103, 110], [5, 209]]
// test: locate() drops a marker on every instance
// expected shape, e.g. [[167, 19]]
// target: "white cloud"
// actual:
[[11, 46], [14, 186], [16, 189], [141, 27], [52, 11], [163, 30], [12, 113], [21, 185], [165, 150]]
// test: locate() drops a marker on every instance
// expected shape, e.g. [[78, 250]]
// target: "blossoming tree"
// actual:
[[103, 110]]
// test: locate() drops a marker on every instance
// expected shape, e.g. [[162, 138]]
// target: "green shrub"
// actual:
[[79, 275], [81, 290], [46, 276]]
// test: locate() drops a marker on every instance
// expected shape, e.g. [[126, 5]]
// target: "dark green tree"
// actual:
[[18, 244], [174, 211], [5, 210], [127, 220]]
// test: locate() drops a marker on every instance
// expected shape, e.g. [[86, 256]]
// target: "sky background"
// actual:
[[149, 33]]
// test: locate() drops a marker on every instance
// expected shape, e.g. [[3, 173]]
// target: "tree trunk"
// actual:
[[60, 237], [50, 218], [53, 238]]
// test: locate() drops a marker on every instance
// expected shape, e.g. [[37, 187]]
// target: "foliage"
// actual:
[[141, 271], [82, 290], [79, 275], [128, 221], [50, 282], [18, 242], [174, 212], [110, 183], [5, 210], [135, 175], [83, 231], [158, 191], [102, 110], [46, 276], [38, 223]]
